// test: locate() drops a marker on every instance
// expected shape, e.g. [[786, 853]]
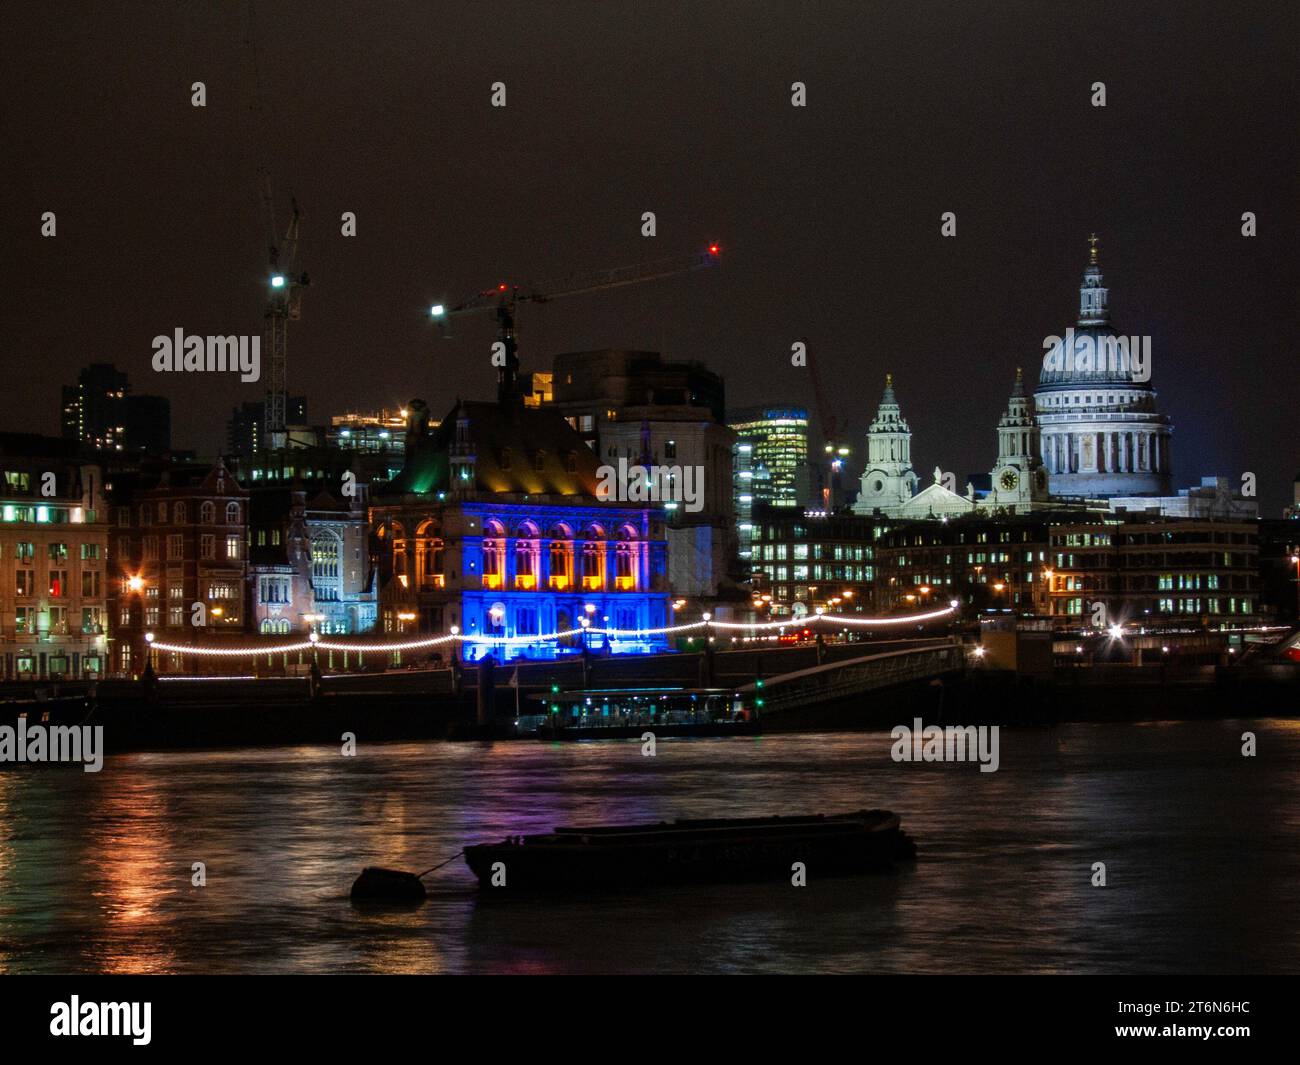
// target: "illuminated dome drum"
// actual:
[[1101, 433]]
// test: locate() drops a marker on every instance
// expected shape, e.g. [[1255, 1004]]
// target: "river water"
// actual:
[[1201, 847]]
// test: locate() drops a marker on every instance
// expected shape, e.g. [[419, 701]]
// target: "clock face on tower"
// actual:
[[1009, 479]]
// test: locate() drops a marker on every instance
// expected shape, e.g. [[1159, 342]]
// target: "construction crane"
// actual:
[[835, 453], [504, 299], [283, 305]]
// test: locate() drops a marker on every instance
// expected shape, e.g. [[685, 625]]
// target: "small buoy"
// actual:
[[377, 883]]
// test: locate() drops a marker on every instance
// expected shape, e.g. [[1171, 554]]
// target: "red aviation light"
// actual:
[[714, 249]]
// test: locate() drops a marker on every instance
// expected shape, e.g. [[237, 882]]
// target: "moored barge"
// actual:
[[692, 851]]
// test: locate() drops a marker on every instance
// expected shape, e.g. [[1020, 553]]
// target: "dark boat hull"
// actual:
[[692, 852]]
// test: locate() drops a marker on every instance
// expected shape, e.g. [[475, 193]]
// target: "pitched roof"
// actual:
[[522, 450]]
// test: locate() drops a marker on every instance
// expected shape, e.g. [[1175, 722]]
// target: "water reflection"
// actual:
[[1200, 847]]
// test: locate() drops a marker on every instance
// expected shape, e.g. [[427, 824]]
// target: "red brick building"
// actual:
[[178, 550]]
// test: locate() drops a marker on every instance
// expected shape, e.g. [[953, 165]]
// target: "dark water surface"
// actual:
[[1201, 845]]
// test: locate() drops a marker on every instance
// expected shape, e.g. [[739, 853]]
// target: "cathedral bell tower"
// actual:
[[888, 481], [1019, 478]]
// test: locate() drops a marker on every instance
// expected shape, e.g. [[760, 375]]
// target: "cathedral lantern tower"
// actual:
[[888, 480], [1102, 434], [1019, 478]]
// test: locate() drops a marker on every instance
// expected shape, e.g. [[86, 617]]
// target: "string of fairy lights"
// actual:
[[454, 635]]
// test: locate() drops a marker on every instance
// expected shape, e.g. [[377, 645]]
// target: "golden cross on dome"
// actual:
[[1092, 251]]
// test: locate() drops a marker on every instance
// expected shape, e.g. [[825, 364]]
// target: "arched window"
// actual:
[[494, 547], [527, 547], [326, 571], [429, 555], [560, 575], [144, 514], [207, 512], [179, 516], [232, 513], [593, 558], [561, 557], [625, 558]]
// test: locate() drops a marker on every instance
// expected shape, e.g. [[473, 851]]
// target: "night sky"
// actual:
[[828, 215]]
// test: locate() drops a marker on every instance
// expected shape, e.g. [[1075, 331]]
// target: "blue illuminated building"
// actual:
[[493, 526]]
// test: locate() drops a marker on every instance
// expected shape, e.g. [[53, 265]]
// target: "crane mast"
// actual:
[[283, 305], [829, 468]]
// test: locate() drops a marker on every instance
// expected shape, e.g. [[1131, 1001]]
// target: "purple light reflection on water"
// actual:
[[1202, 849]]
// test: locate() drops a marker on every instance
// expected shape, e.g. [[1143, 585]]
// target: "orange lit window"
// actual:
[[492, 563], [559, 565], [593, 565], [625, 566]]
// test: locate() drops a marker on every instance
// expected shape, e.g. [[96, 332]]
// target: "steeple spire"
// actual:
[[1092, 250]]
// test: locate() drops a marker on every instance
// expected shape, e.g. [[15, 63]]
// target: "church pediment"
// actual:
[[935, 501]]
